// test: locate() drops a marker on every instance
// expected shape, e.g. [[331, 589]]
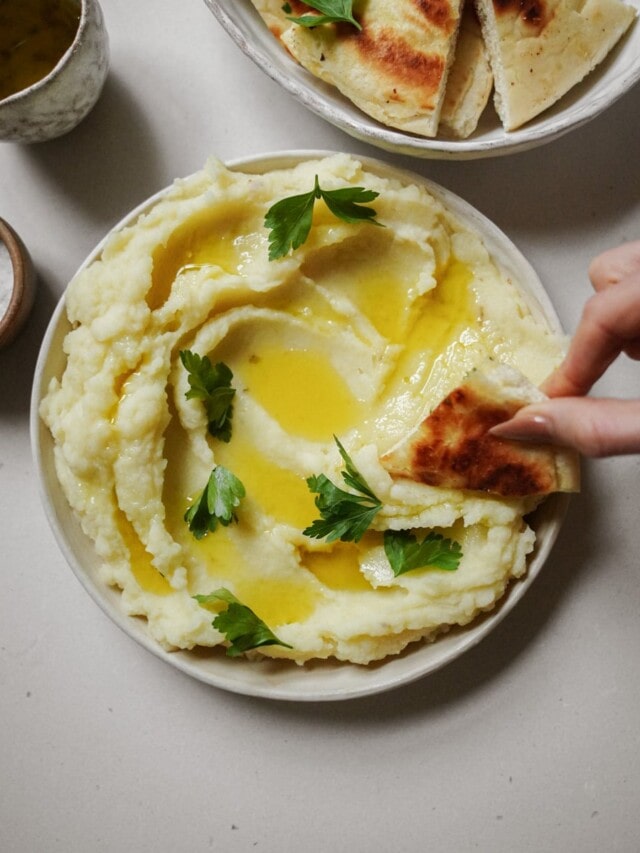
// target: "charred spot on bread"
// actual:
[[536, 13], [438, 13], [397, 59], [453, 447], [456, 446]]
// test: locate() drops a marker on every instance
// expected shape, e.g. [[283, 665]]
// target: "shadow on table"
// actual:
[[18, 360], [572, 183], [109, 163], [106, 166]]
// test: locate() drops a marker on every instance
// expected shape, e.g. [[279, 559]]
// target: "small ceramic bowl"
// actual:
[[58, 102], [17, 284]]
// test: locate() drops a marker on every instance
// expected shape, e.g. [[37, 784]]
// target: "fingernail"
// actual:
[[525, 428]]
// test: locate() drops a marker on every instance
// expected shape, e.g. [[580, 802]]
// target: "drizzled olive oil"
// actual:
[[144, 571], [206, 239], [303, 391], [34, 35]]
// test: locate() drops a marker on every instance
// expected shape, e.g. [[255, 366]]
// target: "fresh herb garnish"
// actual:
[[212, 385], [344, 515], [333, 11], [405, 553], [289, 220], [239, 624], [217, 503]]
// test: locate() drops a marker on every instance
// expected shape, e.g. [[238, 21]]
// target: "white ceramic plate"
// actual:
[[282, 679], [615, 76]]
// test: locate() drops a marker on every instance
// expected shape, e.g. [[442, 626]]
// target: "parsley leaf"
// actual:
[[333, 11], [405, 553], [343, 515], [239, 624], [212, 385], [289, 219], [216, 504], [290, 223]]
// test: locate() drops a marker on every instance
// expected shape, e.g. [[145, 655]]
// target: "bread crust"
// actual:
[[470, 81]]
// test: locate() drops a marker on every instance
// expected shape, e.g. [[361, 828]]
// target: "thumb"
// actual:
[[594, 427]]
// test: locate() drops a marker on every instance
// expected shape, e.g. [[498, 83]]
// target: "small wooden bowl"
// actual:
[[23, 286]]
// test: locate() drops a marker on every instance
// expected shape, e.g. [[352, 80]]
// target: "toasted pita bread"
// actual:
[[539, 49], [452, 447], [273, 15], [395, 69], [469, 83]]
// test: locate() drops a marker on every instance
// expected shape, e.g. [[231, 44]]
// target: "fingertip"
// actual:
[[593, 427], [554, 385], [613, 265], [561, 383]]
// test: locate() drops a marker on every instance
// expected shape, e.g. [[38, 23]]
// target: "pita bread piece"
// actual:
[[395, 69], [539, 49], [274, 16], [469, 83], [453, 449]]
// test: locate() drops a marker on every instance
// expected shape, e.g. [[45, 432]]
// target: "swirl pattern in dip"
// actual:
[[358, 333]]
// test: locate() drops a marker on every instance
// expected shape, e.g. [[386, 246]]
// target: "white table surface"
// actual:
[[530, 742]]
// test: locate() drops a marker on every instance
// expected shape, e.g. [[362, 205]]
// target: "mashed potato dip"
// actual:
[[356, 334]]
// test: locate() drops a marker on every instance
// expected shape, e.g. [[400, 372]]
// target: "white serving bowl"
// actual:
[[615, 76], [324, 680]]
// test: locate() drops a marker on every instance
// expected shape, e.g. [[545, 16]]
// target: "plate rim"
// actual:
[[373, 679]]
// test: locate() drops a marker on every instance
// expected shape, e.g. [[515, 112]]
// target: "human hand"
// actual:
[[610, 325]]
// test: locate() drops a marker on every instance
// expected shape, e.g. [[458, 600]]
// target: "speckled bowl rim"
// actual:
[[44, 81], [579, 106], [284, 680]]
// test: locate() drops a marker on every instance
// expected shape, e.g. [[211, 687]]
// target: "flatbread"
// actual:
[[395, 69], [452, 447], [273, 15], [539, 49], [470, 80]]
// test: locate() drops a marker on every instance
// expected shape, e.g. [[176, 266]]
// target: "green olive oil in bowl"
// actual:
[[34, 35]]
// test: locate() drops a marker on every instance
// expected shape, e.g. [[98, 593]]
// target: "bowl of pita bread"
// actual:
[[444, 79]]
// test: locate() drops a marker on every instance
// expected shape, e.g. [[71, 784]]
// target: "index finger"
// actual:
[[610, 323]]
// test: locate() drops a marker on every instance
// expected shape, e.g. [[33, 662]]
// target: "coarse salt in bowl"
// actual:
[[17, 284]]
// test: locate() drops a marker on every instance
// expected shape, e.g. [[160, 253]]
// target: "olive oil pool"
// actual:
[[34, 36]]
